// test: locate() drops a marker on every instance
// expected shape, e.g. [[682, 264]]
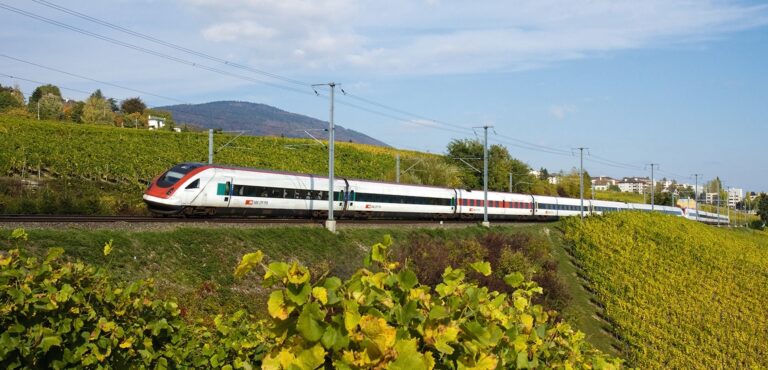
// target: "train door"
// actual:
[[351, 198], [223, 196]]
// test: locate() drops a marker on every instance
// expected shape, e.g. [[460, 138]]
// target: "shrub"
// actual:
[[59, 314], [757, 225], [385, 318], [507, 253]]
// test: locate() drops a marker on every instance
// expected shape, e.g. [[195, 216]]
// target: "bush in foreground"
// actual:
[[385, 318], [58, 314], [65, 314]]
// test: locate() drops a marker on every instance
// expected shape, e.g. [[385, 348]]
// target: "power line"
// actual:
[[189, 63], [627, 165], [93, 80], [148, 51], [236, 65], [169, 44], [387, 107], [521, 146], [43, 83], [610, 164]]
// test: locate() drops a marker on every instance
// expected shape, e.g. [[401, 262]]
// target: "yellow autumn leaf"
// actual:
[[108, 247], [248, 262], [128, 343], [298, 274], [377, 330], [527, 321], [321, 294]]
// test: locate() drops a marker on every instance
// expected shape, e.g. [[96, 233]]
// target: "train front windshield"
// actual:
[[175, 174]]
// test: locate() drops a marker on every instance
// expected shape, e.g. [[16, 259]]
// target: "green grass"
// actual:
[[581, 312]]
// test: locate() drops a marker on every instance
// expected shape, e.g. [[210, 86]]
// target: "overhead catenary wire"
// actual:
[[616, 163], [457, 128], [400, 111], [149, 51], [232, 64], [187, 62], [169, 44], [43, 83], [93, 80]]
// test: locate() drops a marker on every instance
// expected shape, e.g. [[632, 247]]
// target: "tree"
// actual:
[[762, 207], [97, 109], [40, 92], [714, 185], [50, 106], [132, 105], [569, 185], [76, 115], [113, 105], [469, 155], [663, 198], [10, 98], [543, 174], [614, 187], [432, 171]]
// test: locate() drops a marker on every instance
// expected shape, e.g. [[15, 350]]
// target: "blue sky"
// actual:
[[679, 83]]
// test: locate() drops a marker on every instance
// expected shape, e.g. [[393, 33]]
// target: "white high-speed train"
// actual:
[[212, 190]]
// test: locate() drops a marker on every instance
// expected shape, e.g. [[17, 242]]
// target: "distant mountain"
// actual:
[[259, 120]]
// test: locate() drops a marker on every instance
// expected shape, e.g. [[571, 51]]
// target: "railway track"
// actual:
[[142, 219], [224, 220]]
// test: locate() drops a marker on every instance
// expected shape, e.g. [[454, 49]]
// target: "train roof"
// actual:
[[278, 172]]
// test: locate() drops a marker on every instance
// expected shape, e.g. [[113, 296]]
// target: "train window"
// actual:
[[175, 174], [194, 184]]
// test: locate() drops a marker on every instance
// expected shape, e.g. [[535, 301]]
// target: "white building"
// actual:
[[711, 198], [554, 180], [602, 183], [734, 196], [154, 123], [665, 184], [635, 184]]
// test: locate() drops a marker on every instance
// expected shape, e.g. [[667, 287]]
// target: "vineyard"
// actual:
[[675, 293], [132, 157], [64, 168]]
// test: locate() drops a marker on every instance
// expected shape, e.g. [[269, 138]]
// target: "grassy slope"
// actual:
[[195, 265], [681, 294], [581, 312]]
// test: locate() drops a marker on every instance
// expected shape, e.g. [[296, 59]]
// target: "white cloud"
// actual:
[[562, 110], [233, 31], [433, 37]]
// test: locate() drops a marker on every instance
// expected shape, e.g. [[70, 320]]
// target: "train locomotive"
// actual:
[[196, 189]]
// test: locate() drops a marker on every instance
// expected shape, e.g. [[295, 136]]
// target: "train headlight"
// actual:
[[169, 191]]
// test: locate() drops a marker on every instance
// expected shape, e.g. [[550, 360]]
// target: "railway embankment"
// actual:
[[193, 262]]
